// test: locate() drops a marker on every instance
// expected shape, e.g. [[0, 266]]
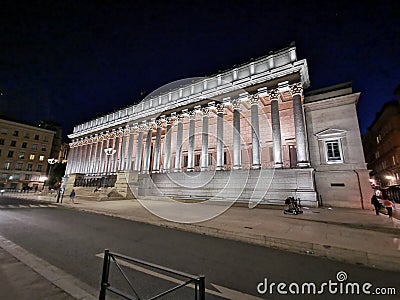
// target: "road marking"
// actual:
[[6, 206], [222, 292]]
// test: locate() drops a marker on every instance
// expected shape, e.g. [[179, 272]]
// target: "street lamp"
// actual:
[[108, 151], [51, 162]]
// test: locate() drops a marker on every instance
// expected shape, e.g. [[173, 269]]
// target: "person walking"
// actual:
[[72, 196], [375, 202]]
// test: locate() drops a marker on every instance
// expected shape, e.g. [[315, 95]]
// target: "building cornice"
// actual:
[[273, 66]]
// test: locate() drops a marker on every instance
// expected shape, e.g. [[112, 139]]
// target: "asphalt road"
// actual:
[[72, 240]]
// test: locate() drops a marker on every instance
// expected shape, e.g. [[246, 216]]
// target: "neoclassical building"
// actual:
[[248, 134]]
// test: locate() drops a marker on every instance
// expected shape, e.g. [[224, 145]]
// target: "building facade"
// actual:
[[382, 150], [247, 134], [24, 154]]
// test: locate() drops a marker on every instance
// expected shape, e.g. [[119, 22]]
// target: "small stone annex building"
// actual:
[[248, 134]]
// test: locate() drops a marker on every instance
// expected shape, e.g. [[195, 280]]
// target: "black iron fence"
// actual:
[[197, 282], [104, 181]]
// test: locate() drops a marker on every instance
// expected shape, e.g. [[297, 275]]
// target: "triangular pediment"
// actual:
[[331, 133]]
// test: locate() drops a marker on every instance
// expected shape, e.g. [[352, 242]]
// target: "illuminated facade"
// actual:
[[246, 134]]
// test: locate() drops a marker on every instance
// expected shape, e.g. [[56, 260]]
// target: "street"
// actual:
[[74, 242]]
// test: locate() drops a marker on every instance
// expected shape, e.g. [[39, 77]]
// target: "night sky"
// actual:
[[71, 61]]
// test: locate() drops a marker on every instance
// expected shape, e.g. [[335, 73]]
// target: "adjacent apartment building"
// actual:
[[382, 149], [24, 153]]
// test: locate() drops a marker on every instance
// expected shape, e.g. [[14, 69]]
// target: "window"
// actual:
[[10, 154], [333, 151], [18, 166], [15, 133], [1, 141], [197, 160], [7, 165], [28, 176], [4, 131], [44, 147], [29, 167], [26, 135], [36, 137], [330, 145], [46, 138], [39, 168], [0, 152], [41, 157], [13, 143], [24, 144], [21, 155], [34, 146], [32, 157]]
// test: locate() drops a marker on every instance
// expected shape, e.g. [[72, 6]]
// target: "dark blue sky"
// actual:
[[71, 61]]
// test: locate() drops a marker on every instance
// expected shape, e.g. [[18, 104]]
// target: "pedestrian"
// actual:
[[375, 202], [389, 207], [72, 196]]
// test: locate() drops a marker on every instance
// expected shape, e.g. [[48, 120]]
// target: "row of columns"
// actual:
[[90, 158]]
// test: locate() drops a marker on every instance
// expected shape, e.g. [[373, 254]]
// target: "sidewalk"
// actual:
[[350, 235]]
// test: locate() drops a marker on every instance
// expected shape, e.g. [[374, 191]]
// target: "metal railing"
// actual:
[[198, 281]]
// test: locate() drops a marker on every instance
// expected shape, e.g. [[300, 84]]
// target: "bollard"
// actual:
[[104, 275], [202, 287]]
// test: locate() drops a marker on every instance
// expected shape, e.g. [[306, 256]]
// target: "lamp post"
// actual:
[[108, 151], [51, 162]]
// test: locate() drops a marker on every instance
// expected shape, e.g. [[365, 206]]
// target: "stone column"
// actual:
[[299, 126], [104, 156], [192, 120], [70, 159], [99, 153], [131, 132], [117, 142], [276, 129], [87, 156], [157, 147], [255, 132], [147, 152], [237, 151], [94, 154], [178, 154], [82, 157], [167, 145], [139, 149], [220, 136], [74, 158], [122, 159], [204, 140]]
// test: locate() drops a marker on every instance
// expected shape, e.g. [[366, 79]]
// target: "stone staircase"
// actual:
[[266, 186]]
